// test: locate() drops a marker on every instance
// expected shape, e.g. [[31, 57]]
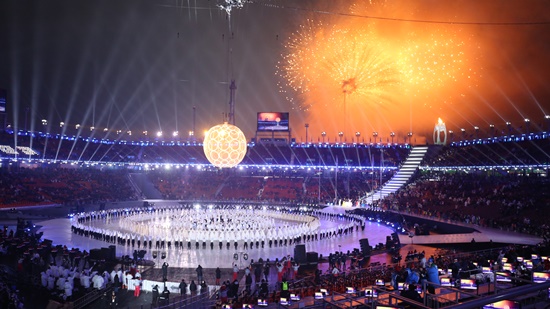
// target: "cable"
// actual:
[[515, 23], [426, 21]]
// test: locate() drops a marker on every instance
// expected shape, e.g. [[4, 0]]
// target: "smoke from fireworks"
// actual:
[[339, 65], [376, 66]]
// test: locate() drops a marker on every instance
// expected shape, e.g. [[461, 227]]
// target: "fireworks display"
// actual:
[[344, 66], [358, 67], [376, 65]]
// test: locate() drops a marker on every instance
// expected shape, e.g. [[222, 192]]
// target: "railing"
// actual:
[[90, 297], [507, 295], [451, 296], [198, 301], [462, 255], [447, 297]]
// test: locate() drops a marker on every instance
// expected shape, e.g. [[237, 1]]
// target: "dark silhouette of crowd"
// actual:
[[279, 185], [493, 198], [503, 153], [34, 272], [72, 187], [114, 149]]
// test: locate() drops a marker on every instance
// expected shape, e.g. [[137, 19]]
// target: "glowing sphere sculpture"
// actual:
[[224, 145]]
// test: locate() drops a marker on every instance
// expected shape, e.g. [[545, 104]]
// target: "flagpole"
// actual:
[[381, 171], [336, 183]]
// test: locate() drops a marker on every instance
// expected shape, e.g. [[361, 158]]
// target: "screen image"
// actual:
[[379, 282], [371, 292], [528, 264], [534, 256], [324, 291], [507, 266], [283, 301], [504, 259], [503, 277], [520, 259], [503, 304], [400, 286], [469, 284], [540, 277], [405, 286], [318, 295], [445, 281], [486, 269], [226, 306], [273, 121], [294, 297], [350, 290], [262, 302], [248, 306]]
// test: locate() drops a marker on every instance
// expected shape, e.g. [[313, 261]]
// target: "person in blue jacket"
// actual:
[[432, 274], [412, 276]]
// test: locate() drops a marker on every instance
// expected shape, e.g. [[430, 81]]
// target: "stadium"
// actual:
[[311, 198]]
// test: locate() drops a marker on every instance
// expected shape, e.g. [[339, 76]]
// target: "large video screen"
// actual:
[[3, 100], [273, 121]]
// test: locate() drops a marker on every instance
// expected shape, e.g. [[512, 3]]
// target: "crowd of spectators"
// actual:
[[34, 272], [529, 152], [9, 296], [467, 265], [186, 184], [421, 270], [177, 152], [495, 198], [51, 185], [487, 198], [297, 186]]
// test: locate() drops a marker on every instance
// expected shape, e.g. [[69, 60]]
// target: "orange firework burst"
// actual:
[[364, 64], [434, 59], [338, 64]]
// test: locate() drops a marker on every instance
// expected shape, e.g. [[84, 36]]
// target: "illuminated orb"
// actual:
[[224, 145]]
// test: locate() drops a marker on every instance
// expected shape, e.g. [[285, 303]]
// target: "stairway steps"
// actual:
[[402, 176]]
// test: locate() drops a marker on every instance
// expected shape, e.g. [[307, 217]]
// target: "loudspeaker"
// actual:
[[395, 238], [300, 254], [105, 254], [95, 254], [312, 257], [389, 242], [365, 247], [112, 255]]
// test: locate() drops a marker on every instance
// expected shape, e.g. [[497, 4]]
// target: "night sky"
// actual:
[[143, 65]]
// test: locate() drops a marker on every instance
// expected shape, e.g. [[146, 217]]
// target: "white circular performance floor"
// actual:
[[59, 232]]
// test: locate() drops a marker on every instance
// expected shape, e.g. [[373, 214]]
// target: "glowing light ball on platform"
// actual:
[[224, 145]]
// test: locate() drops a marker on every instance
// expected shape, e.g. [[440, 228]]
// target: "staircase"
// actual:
[[144, 186], [400, 178]]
